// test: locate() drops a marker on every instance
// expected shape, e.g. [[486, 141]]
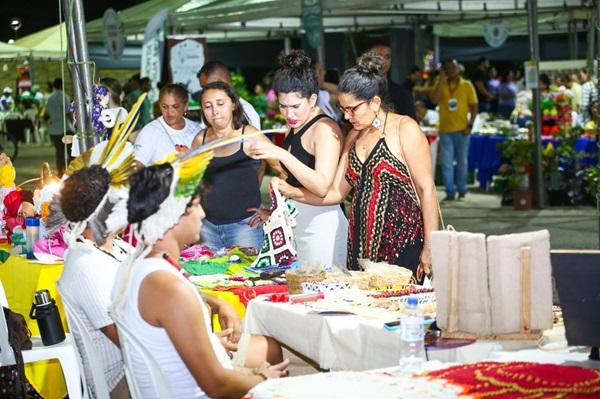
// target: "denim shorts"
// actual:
[[217, 236]]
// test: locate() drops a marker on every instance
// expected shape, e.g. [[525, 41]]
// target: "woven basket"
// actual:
[[358, 279], [295, 280], [397, 280]]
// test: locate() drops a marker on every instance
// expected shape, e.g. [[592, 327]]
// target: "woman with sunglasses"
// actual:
[[386, 161], [310, 155]]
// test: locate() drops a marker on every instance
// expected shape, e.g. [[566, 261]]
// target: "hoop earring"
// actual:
[[376, 122]]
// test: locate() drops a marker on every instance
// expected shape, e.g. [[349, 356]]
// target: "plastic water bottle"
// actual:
[[32, 234], [412, 338]]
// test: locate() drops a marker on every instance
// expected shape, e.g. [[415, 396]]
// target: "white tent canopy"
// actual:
[[47, 43], [12, 51], [225, 20], [257, 19]]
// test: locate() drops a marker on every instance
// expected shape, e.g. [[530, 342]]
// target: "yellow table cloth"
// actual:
[[21, 279]]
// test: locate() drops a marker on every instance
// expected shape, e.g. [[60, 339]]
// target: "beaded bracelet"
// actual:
[[260, 374]]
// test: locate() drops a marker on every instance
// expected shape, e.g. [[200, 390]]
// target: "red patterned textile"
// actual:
[[385, 223], [248, 293], [523, 380]]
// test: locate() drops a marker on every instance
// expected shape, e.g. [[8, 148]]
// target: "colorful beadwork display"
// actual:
[[523, 380], [278, 239]]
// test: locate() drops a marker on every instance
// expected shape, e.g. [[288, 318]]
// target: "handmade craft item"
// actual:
[[18, 204], [384, 276], [278, 238], [499, 288], [522, 380], [518, 293], [7, 185], [461, 277], [116, 156]]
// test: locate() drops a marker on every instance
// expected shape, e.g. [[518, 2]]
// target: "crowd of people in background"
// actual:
[[357, 137], [499, 91]]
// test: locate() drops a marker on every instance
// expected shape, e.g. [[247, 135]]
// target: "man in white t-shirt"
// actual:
[[215, 71], [170, 132], [89, 274]]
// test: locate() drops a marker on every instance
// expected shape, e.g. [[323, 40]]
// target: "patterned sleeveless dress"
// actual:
[[385, 222]]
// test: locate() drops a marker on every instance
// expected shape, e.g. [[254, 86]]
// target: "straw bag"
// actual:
[[499, 286], [295, 280]]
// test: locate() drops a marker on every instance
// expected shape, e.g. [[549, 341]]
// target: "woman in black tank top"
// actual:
[[233, 199], [312, 146], [310, 156]]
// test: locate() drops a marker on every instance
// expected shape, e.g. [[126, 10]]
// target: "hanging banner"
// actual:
[[312, 21], [495, 33], [186, 57], [114, 34], [153, 50]]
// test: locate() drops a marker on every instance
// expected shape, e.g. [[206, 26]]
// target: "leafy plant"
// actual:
[[518, 155]]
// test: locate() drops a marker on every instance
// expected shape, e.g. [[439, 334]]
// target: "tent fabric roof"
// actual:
[[231, 19], [219, 20], [11, 51], [517, 25], [46, 43]]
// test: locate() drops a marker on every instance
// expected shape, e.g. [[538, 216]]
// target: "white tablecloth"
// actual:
[[386, 384], [340, 342]]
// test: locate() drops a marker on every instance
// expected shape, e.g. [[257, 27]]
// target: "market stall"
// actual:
[[338, 340]]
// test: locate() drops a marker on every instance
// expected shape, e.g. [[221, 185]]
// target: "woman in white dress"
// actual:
[[310, 155]]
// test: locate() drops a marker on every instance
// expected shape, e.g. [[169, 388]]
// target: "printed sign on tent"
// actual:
[[186, 57], [114, 34], [495, 33]]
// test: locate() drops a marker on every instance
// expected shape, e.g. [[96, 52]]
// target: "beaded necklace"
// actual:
[[176, 265]]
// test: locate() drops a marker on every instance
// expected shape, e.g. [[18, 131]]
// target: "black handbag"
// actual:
[[13, 383]]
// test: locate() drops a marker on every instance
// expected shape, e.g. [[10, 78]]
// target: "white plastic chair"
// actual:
[[64, 352], [129, 342], [94, 361], [32, 114]]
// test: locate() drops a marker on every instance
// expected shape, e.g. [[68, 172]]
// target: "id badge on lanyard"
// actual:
[[452, 101], [452, 104]]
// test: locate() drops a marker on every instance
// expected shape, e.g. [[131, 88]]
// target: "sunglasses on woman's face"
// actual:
[[350, 110]]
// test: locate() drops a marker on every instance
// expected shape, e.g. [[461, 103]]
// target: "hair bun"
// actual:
[[370, 63], [296, 59]]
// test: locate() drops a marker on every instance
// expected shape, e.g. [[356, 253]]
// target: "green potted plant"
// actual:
[[519, 155]]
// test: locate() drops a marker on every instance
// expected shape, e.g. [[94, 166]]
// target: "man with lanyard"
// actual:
[[458, 108]]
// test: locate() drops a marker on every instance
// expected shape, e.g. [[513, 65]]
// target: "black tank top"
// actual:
[[293, 143], [232, 187]]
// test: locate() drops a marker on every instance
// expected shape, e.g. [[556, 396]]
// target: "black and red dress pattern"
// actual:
[[385, 222]]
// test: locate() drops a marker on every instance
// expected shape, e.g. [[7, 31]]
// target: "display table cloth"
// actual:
[[21, 279], [359, 385], [523, 380], [341, 341]]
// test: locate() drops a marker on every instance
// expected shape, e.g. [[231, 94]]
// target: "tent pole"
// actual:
[[321, 52], [534, 45], [597, 71], [287, 45], [591, 36], [80, 72]]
